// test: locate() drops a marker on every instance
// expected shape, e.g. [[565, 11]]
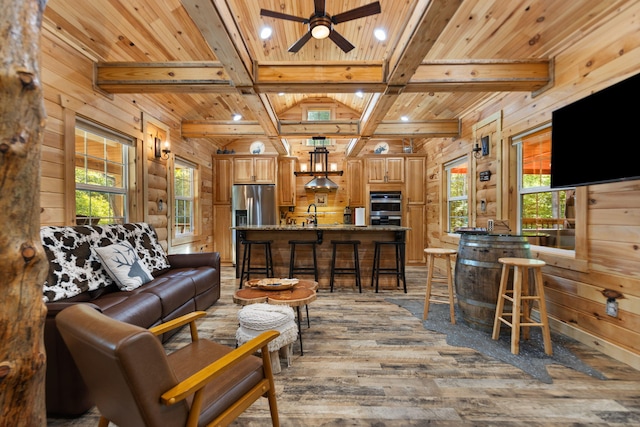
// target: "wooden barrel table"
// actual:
[[477, 274]]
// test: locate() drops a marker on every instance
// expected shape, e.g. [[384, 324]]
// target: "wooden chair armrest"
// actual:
[[199, 379], [178, 322]]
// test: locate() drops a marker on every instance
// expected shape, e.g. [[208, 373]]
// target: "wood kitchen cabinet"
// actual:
[[415, 187], [415, 219], [384, 170], [254, 170], [222, 241], [222, 179], [355, 183], [287, 182]]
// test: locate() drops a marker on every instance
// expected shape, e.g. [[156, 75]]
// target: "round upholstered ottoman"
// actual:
[[257, 318]]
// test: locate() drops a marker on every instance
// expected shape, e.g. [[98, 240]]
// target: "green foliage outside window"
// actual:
[[184, 194]]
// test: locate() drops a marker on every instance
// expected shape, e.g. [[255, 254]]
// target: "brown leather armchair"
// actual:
[[135, 383]]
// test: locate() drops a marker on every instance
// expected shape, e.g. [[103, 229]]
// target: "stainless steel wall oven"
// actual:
[[386, 208]]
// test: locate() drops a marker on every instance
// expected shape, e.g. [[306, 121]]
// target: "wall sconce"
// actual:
[[303, 167], [477, 151], [481, 151], [333, 167], [160, 152]]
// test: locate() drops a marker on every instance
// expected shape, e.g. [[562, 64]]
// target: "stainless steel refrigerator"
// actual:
[[252, 204]]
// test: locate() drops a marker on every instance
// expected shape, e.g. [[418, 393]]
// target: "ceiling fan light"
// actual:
[[320, 31]]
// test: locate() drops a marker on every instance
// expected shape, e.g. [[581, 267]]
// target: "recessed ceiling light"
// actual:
[[359, 94], [404, 118], [380, 34], [236, 117], [280, 93], [265, 33]]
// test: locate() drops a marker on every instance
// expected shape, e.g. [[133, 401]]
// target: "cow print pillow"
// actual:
[[75, 268]]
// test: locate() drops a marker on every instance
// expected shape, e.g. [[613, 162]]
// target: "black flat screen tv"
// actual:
[[597, 139]]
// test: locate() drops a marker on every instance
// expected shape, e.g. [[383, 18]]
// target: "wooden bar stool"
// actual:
[[247, 269], [355, 270], [446, 254], [518, 295]]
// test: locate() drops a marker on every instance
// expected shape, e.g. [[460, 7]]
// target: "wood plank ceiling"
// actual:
[[205, 59]]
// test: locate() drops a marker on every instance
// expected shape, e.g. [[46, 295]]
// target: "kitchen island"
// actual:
[[323, 234]]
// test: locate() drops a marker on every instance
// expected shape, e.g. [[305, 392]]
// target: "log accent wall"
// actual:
[[609, 258]]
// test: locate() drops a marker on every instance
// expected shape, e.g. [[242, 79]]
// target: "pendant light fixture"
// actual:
[[319, 169]]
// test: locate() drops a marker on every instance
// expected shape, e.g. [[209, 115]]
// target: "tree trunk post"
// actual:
[[23, 265]]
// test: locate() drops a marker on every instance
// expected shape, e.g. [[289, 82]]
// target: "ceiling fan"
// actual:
[[321, 24]]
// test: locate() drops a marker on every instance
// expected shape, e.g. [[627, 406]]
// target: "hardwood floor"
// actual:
[[368, 362]]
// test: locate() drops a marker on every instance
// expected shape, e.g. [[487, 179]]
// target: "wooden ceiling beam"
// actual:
[[218, 27], [168, 77], [480, 75], [440, 76], [424, 129], [430, 19], [212, 128], [330, 129]]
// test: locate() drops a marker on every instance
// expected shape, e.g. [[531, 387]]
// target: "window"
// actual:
[[184, 178], [316, 115], [101, 174], [457, 193], [546, 215]]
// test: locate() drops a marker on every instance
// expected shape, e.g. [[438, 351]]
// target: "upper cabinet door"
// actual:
[[254, 170], [264, 170], [395, 169], [243, 170], [376, 170], [384, 170]]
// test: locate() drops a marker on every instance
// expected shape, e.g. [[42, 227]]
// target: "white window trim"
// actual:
[[580, 202]]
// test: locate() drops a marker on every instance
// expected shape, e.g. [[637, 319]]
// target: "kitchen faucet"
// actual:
[[315, 213]]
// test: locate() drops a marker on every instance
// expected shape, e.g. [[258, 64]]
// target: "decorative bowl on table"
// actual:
[[275, 284]]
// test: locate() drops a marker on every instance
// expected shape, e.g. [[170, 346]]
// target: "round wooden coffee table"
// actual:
[[302, 293]]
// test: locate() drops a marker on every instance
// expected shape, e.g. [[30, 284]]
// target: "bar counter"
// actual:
[[323, 234]]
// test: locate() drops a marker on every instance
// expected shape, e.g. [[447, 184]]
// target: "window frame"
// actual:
[[128, 144], [447, 187], [194, 234], [580, 251]]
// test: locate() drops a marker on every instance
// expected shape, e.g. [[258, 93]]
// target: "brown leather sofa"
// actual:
[[191, 282]]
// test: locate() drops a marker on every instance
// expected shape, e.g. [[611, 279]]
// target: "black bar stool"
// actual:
[[397, 270], [247, 269], [303, 269], [355, 270]]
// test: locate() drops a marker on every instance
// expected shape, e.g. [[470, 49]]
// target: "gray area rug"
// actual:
[[531, 358]]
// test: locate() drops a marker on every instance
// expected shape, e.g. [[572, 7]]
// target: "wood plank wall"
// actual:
[[610, 258]]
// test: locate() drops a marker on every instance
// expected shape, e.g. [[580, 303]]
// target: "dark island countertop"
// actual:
[[321, 227]]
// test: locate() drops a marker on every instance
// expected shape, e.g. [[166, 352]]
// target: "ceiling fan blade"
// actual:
[[272, 14], [301, 42], [320, 7], [340, 41], [358, 12]]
